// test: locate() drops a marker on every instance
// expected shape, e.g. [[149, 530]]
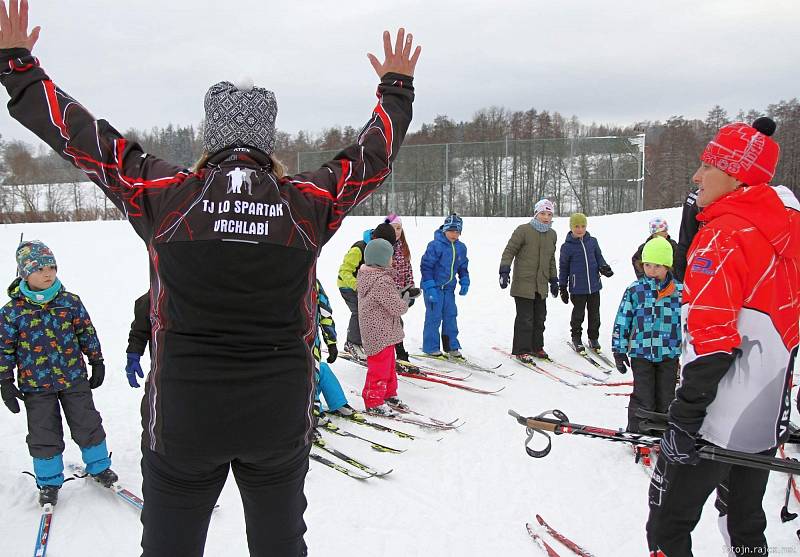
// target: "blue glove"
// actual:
[[505, 275], [554, 287], [433, 294], [679, 446], [132, 369], [464, 287]]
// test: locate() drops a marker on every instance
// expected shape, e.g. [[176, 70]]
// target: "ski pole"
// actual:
[[786, 516], [560, 424]]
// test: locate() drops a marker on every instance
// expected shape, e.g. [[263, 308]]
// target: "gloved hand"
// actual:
[[562, 290], [406, 297], [413, 291], [554, 286], [505, 276], [606, 271], [622, 361], [464, 287], [98, 374], [433, 294], [132, 369], [10, 393], [679, 446], [333, 353]]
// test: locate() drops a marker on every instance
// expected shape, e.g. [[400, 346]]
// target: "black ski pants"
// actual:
[[580, 304], [353, 328], [653, 387], [678, 492], [529, 324], [180, 494], [45, 432]]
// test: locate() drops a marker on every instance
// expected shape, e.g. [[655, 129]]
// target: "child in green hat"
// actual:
[[648, 329]]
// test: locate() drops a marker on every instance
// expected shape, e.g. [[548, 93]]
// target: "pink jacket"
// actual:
[[379, 309]]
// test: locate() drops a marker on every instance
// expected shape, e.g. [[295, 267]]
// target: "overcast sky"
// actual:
[[149, 62]]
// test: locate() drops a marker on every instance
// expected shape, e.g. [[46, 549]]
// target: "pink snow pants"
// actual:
[[381, 380]]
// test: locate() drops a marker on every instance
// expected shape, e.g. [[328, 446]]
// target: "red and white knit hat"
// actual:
[[744, 152], [543, 205]]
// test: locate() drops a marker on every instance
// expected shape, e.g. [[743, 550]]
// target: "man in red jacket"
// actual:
[[741, 306]]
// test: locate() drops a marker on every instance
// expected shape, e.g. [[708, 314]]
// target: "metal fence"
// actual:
[[594, 175]]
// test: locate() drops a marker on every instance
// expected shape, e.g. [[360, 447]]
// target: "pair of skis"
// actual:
[[585, 354], [463, 362], [365, 470], [538, 369], [48, 510], [565, 541]]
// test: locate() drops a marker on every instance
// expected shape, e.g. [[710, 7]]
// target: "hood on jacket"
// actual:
[[368, 277], [439, 236], [773, 211]]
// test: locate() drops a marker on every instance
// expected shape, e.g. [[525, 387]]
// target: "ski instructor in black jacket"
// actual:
[[233, 246]]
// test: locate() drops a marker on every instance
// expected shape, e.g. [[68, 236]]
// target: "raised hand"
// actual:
[[400, 60], [14, 26]]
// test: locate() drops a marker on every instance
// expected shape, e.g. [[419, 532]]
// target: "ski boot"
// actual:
[[577, 345], [396, 404], [355, 350], [383, 411], [525, 358], [106, 478], [48, 495], [349, 412], [456, 355], [595, 345], [541, 354]]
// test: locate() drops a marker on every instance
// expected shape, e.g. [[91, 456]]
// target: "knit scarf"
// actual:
[[540, 226], [40, 296]]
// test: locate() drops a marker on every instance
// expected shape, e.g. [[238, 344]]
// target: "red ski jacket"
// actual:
[[741, 306]]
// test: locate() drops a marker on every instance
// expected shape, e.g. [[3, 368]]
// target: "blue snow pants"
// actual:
[[331, 389], [442, 312]]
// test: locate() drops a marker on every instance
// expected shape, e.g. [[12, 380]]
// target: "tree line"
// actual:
[[498, 163]]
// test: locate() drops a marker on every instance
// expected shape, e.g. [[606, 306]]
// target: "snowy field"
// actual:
[[468, 494]]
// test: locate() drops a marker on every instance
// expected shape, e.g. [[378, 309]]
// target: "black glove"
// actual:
[[606, 271], [505, 275], [679, 446], [413, 292], [98, 374], [10, 393], [554, 287], [564, 294], [622, 361], [333, 353]]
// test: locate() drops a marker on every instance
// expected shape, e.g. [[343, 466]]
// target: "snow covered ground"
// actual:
[[469, 493]]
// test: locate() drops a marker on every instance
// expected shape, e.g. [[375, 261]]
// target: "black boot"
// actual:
[[400, 352], [48, 495], [577, 344], [106, 478]]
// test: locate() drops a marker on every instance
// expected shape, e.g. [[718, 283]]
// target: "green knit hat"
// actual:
[[577, 219], [657, 251]]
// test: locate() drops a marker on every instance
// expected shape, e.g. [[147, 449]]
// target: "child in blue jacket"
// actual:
[[44, 333], [648, 329], [445, 257], [579, 268]]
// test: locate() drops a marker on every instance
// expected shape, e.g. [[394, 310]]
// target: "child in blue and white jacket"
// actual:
[[444, 259], [648, 328]]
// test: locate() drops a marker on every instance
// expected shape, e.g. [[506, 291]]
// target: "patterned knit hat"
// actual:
[[393, 218], [658, 225], [453, 222], [744, 152], [543, 205], [239, 116], [577, 219], [378, 253], [33, 256], [657, 251]]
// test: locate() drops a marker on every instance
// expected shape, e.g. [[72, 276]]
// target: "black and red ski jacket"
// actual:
[[233, 254]]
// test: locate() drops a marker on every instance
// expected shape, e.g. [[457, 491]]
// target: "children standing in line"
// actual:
[[404, 272], [348, 286], [44, 330], [445, 257], [380, 307], [648, 329], [532, 249], [658, 227], [580, 265]]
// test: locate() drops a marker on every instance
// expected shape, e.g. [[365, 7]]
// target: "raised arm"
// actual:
[[358, 170], [129, 177]]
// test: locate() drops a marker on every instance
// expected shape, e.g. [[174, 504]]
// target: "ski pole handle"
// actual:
[[540, 423]]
